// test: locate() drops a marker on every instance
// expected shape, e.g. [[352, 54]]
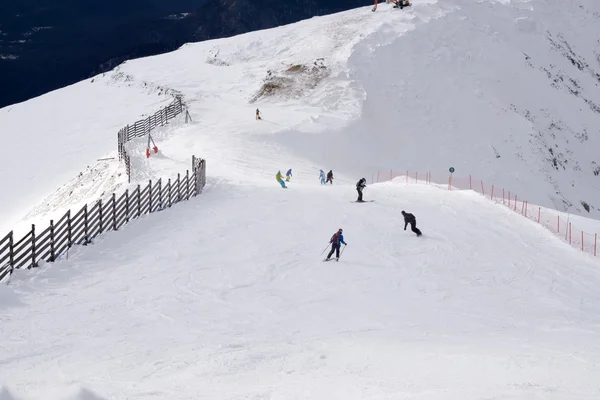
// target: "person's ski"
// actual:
[[364, 201]]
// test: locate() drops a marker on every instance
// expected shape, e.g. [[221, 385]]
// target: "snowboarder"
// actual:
[[330, 177], [322, 176], [410, 219], [360, 185], [401, 3], [258, 114], [336, 240], [279, 178], [288, 175]]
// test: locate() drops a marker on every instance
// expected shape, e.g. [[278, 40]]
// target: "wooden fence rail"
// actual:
[[92, 220], [143, 127]]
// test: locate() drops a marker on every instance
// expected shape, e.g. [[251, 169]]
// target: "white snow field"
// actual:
[[429, 87], [51, 139], [226, 297]]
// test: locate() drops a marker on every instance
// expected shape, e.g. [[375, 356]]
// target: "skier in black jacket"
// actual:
[[360, 185], [330, 177], [410, 219]]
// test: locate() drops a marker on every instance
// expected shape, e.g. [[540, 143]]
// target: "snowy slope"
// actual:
[[51, 139], [435, 85], [226, 297]]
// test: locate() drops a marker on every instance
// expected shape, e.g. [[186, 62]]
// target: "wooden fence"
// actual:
[[90, 221], [143, 127]]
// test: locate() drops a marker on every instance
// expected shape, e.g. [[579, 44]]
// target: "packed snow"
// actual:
[[226, 296], [52, 139]]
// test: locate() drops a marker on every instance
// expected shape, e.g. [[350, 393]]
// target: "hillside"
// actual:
[[226, 297], [75, 40], [506, 92]]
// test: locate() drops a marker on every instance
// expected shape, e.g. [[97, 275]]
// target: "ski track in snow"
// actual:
[[226, 296]]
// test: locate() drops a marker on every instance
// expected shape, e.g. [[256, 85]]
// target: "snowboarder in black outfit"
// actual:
[[360, 185], [401, 3], [336, 240], [330, 177], [410, 219]]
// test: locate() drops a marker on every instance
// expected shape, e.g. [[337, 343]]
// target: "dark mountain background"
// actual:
[[49, 44]]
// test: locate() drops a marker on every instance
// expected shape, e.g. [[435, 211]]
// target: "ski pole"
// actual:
[[325, 249], [342, 251]]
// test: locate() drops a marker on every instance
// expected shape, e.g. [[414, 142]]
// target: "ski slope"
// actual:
[[456, 83], [226, 297], [52, 139]]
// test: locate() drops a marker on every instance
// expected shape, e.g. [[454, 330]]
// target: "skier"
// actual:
[[279, 178], [401, 3], [330, 177], [288, 175], [336, 240], [410, 219], [360, 185], [322, 176], [258, 114]]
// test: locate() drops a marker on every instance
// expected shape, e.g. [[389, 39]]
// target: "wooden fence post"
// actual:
[[114, 209], [169, 193], [69, 233], [187, 184], [100, 216], [160, 202], [85, 225], [178, 188], [150, 196], [595, 242], [11, 257], [126, 206], [33, 246], [482, 190], [492, 195], [52, 249], [139, 202]]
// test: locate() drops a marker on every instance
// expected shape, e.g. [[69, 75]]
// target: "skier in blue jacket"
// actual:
[[322, 176], [336, 240]]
